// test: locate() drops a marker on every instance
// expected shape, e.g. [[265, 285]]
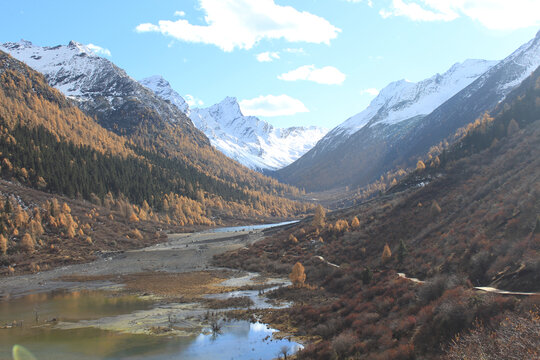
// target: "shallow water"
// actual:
[[49, 340], [250, 227]]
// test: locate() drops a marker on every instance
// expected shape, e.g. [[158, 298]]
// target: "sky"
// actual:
[[291, 63]]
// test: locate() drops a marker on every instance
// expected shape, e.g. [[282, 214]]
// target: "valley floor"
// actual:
[[182, 253]]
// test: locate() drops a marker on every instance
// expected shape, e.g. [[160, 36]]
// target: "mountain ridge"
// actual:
[[356, 160], [247, 139]]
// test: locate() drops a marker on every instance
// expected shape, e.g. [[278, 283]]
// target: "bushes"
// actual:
[[516, 337]]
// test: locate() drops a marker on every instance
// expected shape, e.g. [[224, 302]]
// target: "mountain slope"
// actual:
[[393, 133], [470, 221], [100, 87], [246, 139], [169, 149]]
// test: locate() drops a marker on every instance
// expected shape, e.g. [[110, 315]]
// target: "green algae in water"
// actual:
[[69, 306]]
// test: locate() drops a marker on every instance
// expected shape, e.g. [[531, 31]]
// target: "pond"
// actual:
[[66, 325]]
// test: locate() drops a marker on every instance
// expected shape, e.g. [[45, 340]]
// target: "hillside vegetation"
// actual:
[[469, 217], [49, 144]]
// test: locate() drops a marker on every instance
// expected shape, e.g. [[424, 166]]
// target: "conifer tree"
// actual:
[[297, 275], [367, 275], [435, 208], [3, 244], [402, 251], [513, 127], [319, 218], [387, 254]]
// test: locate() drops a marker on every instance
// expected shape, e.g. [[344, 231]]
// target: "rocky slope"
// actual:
[[406, 119]]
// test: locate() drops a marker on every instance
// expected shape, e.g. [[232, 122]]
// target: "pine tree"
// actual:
[[366, 275], [402, 251]]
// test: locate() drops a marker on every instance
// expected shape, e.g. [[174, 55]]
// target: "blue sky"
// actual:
[[328, 57]]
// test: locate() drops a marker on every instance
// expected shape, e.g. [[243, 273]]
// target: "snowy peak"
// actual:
[[402, 100], [250, 140], [73, 69], [163, 89], [516, 67], [227, 110], [98, 85], [247, 139]]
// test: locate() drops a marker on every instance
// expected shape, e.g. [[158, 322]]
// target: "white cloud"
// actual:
[[271, 105], [267, 56], [370, 91], [99, 50], [192, 101], [369, 2], [179, 13], [493, 14], [295, 51], [327, 75], [241, 24]]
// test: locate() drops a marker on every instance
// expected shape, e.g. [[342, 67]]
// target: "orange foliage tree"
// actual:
[[297, 275]]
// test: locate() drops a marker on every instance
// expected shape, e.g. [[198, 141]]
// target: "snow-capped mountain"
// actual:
[[250, 140], [99, 86], [406, 119], [163, 89], [247, 139], [402, 100]]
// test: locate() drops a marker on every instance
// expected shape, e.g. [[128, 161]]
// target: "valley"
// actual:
[[228, 206]]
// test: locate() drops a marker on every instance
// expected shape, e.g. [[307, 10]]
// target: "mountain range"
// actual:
[[406, 119], [159, 137], [247, 139]]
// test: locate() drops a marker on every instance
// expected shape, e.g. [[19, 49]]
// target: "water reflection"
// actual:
[[237, 340], [251, 227]]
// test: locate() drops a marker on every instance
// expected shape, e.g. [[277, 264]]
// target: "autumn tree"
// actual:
[[386, 254], [319, 217], [297, 275], [27, 243], [436, 162], [435, 208], [3, 244], [420, 165], [293, 239], [355, 222], [513, 127], [341, 225]]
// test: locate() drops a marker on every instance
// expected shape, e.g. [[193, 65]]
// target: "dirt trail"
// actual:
[[181, 253], [481, 288]]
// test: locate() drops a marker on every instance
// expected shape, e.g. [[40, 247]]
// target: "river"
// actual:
[[88, 321]]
